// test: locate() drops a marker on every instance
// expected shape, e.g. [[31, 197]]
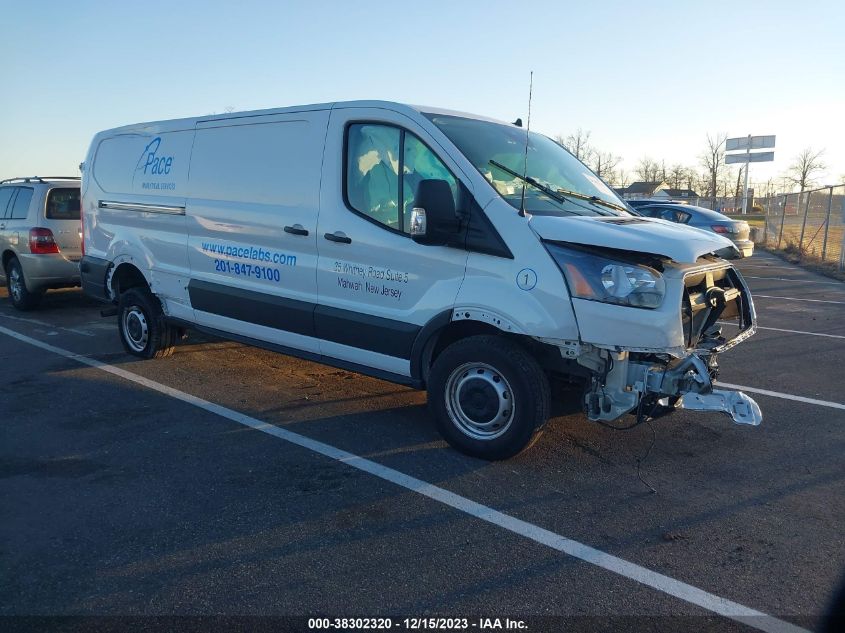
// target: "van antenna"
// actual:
[[527, 132]]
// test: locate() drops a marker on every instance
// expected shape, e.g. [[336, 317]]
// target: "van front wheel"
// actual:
[[489, 396], [143, 329]]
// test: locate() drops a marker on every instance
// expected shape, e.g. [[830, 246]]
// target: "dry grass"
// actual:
[[813, 242], [794, 255]]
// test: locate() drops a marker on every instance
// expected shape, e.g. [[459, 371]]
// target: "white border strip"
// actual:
[[785, 396], [632, 571]]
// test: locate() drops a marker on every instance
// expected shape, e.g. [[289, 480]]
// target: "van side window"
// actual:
[[372, 172], [21, 205], [420, 163], [5, 196], [376, 155]]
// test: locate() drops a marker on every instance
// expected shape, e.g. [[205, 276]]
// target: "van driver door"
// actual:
[[377, 288]]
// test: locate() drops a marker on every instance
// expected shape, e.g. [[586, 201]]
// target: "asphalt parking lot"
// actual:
[[245, 483]]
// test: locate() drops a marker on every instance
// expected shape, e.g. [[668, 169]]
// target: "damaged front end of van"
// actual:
[[652, 322]]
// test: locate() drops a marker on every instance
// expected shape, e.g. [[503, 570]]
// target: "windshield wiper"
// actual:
[[555, 194], [594, 199]]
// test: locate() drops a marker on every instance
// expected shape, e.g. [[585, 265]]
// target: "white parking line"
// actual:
[[764, 263], [785, 396], [803, 281], [778, 329], [755, 295], [48, 325], [794, 269], [632, 571]]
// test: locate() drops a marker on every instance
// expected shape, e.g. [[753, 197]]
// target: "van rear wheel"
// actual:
[[143, 329], [489, 396]]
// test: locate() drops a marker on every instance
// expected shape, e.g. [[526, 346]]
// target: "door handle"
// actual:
[[296, 229], [338, 237]]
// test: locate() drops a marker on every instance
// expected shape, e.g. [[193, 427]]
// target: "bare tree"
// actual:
[[578, 144], [619, 179], [712, 159], [676, 176], [647, 170], [699, 181], [604, 163], [805, 166]]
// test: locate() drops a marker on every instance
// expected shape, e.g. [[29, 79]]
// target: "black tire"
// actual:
[[143, 329], [473, 381], [20, 297]]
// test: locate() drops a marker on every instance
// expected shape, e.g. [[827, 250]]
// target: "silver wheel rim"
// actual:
[[135, 328], [479, 401], [16, 284]]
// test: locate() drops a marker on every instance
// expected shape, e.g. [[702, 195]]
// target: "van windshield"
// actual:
[[497, 150]]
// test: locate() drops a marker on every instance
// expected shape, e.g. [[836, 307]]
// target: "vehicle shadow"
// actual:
[[61, 299]]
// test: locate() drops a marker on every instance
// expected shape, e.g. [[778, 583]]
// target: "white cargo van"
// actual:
[[416, 245]]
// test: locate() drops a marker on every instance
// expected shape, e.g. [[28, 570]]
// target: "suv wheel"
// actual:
[[21, 298], [489, 396], [143, 328]]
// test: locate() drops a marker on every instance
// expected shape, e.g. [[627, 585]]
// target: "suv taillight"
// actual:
[[41, 242]]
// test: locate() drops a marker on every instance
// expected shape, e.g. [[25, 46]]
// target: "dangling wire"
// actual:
[[640, 460]]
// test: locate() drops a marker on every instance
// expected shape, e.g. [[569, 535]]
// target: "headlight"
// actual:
[[602, 279]]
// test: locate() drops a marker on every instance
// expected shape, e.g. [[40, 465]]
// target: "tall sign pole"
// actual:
[[748, 143], [745, 188]]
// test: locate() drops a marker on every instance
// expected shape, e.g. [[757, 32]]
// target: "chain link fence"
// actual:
[[810, 224]]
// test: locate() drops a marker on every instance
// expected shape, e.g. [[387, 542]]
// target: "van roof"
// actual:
[[172, 125]]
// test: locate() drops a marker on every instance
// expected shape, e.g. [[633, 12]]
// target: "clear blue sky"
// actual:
[[647, 78]]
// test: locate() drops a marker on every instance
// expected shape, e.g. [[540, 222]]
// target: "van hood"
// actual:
[[683, 244]]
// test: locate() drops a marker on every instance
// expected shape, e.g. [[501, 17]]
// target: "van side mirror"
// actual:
[[434, 219]]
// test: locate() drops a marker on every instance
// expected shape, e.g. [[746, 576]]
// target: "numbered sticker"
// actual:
[[526, 279]]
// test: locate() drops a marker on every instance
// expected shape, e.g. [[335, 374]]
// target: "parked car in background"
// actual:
[[40, 236], [737, 231], [650, 201]]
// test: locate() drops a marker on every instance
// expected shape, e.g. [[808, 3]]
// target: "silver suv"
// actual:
[[40, 236]]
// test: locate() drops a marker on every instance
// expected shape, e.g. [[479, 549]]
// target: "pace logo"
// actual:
[[151, 162]]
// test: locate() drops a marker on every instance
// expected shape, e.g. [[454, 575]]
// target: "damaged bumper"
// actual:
[[637, 384], [741, 407], [652, 382]]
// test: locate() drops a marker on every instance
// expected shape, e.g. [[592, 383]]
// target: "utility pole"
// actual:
[[745, 188]]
